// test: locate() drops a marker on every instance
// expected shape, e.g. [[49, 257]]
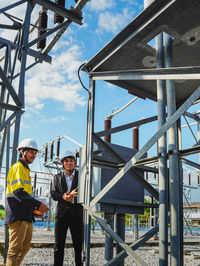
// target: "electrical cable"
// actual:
[[80, 78]]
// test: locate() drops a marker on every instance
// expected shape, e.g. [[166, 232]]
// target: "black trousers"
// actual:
[[76, 228]]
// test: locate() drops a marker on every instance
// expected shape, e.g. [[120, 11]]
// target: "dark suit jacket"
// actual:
[[58, 188]]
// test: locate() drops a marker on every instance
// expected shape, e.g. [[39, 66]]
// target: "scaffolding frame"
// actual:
[[105, 66]]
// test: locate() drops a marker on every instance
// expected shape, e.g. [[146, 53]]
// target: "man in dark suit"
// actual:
[[69, 214]]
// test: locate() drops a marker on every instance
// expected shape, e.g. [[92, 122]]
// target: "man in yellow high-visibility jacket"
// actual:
[[20, 204]]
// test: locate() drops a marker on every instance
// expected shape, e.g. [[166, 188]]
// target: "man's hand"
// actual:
[[73, 192], [67, 197], [43, 208]]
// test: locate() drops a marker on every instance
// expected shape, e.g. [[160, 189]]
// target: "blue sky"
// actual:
[[55, 102]]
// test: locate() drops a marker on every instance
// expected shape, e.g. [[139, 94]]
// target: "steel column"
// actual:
[[25, 37], [23, 55], [198, 134], [174, 174], [109, 217], [135, 218], [120, 230], [7, 129], [162, 151], [181, 224], [89, 152]]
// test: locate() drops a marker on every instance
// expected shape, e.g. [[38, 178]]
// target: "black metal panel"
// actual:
[[126, 189]]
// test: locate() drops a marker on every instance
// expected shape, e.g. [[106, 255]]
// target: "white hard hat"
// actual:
[[29, 144], [66, 154]]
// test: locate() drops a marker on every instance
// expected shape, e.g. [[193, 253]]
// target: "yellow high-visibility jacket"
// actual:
[[18, 177], [20, 202]]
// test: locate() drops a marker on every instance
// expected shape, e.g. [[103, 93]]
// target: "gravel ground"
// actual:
[[44, 256]]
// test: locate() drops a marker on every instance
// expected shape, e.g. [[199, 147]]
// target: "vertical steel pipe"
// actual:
[[23, 58], [135, 226], [181, 224], [109, 217], [135, 219], [7, 170], [162, 152], [174, 173], [120, 230], [152, 220], [89, 152], [16, 137], [198, 134]]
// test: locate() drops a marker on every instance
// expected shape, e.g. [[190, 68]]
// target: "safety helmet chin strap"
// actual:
[[24, 154]]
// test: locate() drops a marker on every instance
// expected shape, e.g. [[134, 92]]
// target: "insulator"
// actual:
[[51, 153], [35, 181], [107, 125], [58, 18], [46, 154], [58, 148], [198, 179], [43, 18], [40, 191], [154, 175], [189, 179], [146, 176], [136, 138]]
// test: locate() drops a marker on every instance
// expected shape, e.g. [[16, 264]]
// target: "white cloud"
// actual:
[[55, 119], [58, 81], [113, 22], [99, 5], [138, 3], [58, 119]]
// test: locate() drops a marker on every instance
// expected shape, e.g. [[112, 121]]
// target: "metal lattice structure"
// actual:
[[168, 74], [25, 42]]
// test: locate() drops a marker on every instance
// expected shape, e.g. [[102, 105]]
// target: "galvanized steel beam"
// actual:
[[121, 242], [191, 163], [173, 73], [148, 145], [127, 126], [10, 88], [138, 243]]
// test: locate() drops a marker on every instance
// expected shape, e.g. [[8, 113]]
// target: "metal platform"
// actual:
[[130, 50]]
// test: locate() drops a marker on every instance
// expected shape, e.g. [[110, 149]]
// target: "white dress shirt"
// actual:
[[69, 180]]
